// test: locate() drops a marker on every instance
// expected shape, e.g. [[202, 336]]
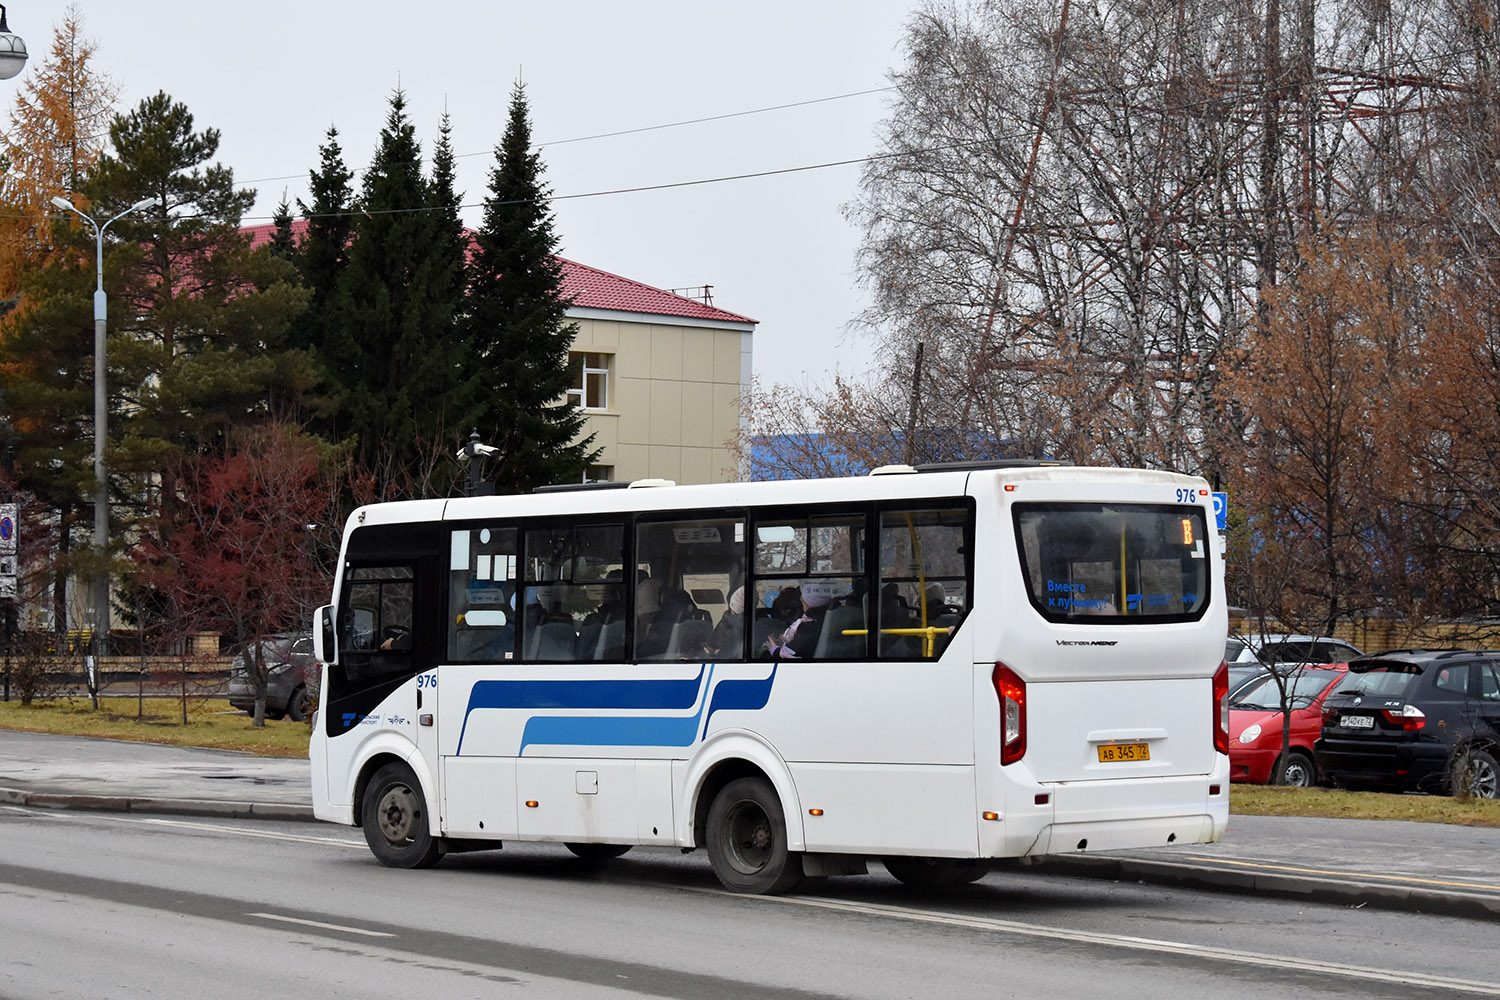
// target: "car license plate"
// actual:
[[1111, 753], [1357, 721]]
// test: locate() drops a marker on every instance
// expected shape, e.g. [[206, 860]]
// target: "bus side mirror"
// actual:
[[325, 641]]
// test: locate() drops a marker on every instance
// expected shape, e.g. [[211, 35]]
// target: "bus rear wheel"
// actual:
[[933, 873], [747, 841], [394, 817]]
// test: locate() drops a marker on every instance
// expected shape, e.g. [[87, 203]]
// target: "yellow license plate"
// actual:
[[1111, 753]]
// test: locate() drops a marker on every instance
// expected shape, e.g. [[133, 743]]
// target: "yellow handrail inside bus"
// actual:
[[1124, 603], [929, 634]]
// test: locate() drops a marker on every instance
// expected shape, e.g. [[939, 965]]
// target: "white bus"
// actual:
[[936, 668]]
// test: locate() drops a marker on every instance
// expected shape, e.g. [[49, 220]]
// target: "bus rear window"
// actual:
[[1114, 563]]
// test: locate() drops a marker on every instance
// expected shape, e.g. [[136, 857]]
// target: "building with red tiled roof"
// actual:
[[662, 375]]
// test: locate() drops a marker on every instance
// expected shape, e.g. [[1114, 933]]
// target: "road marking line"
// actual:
[[1211, 952], [322, 926], [1354, 875], [260, 834]]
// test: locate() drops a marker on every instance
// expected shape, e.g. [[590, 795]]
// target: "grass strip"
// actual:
[[211, 722], [1333, 803]]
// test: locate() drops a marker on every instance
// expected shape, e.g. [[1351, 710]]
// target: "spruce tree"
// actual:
[[516, 324], [324, 248], [390, 338], [283, 243], [321, 255]]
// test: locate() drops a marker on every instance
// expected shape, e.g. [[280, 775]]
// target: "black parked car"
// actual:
[[1420, 720], [291, 681]]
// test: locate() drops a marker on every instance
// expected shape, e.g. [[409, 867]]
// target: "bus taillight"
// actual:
[[1012, 693], [1221, 708]]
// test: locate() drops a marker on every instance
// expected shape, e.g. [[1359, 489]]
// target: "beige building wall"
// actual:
[[673, 404]]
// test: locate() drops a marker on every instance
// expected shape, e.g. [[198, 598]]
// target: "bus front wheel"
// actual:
[[747, 839], [394, 817]]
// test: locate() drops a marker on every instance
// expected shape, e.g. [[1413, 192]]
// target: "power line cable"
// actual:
[[635, 131]]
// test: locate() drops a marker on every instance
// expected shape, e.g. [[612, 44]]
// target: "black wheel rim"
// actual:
[[397, 812], [751, 839]]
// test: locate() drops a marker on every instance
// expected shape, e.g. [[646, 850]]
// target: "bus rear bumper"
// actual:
[[1114, 815]]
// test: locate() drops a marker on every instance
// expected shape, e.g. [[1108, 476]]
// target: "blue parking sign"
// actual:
[[1221, 510]]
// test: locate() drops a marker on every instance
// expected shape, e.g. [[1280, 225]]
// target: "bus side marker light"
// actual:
[[532, 803], [1043, 798], [1213, 789], [990, 816], [815, 812], [1010, 487]]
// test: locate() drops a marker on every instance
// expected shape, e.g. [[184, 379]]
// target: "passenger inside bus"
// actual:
[[727, 638], [801, 637]]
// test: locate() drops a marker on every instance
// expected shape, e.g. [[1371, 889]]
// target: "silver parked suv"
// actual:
[[291, 681]]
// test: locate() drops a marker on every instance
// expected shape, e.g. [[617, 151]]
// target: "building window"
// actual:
[[591, 390], [599, 474]]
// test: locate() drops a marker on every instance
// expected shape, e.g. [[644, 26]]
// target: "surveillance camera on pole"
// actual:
[[473, 452]]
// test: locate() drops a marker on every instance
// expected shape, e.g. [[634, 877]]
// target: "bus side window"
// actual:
[[924, 580], [572, 605], [690, 599], [481, 595], [808, 599]]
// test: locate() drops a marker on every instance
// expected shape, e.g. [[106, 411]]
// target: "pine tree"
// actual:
[[391, 322], [199, 321], [516, 325]]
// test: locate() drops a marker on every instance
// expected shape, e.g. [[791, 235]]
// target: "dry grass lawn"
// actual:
[[1262, 800], [210, 723]]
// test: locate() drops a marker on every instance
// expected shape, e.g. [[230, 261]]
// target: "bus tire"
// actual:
[[747, 840], [598, 852], [933, 873], [394, 817]]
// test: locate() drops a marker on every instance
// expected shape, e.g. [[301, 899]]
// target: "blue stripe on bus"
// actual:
[[611, 731], [649, 730], [659, 694], [748, 695]]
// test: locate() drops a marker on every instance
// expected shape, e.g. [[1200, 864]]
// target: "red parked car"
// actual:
[[1255, 726]]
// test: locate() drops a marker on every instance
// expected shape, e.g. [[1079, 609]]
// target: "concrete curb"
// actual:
[[171, 807], [1386, 896]]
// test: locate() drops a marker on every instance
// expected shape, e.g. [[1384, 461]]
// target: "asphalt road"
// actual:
[[122, 905]]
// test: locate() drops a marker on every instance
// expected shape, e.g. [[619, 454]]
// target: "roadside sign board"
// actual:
[[7, 551], [1221, 510]]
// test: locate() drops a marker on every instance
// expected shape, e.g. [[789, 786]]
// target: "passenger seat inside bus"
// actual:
[[552, 641], [833, 644], [688, 639]]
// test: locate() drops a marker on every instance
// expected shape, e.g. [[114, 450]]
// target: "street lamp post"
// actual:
[[101, 487]]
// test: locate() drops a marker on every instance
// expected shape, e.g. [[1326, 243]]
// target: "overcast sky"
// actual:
[[271, 76]]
